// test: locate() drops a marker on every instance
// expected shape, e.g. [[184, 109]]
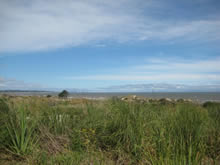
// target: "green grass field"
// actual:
[[52, 131]]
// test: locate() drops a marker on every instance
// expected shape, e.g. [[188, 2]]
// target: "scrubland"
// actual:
[[52, 131]]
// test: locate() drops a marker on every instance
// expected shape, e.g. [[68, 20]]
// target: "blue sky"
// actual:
[[122, 45]]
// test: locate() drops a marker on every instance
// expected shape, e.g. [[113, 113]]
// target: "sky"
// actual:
[[110, 46]]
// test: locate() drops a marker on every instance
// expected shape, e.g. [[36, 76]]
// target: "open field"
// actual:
[[40, 130]]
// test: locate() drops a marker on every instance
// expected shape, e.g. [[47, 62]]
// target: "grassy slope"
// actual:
[[37, 130]]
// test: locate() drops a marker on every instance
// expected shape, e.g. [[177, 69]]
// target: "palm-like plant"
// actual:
[[21, 131]]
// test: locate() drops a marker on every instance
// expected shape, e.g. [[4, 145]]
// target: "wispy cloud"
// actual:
[[162, 87], [183, 66], [14, 84], [163, 70], [157, 77], [41, 25], [183, 30]]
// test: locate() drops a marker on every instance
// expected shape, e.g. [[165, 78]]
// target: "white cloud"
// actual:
[[54, 24], [6, 84], [41, 25], [159, 87], [190, 66], [155, 77], [164, 70], [12, 84]]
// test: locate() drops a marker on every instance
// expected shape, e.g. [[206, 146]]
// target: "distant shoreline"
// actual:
[[194, 96]]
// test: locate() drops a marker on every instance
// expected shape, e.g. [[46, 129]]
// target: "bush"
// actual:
[[63, 94], [21, 133]]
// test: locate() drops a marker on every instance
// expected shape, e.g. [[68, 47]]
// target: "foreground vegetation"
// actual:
[[44, 131]]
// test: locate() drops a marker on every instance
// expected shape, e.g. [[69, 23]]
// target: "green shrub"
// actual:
[[21, 130], [63, 94]]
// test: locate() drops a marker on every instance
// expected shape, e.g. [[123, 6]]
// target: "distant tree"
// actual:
[[63, 94], [49, 96]]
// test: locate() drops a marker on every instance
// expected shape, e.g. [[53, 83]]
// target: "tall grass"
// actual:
[[125, 128], [4, 113], [213, 142], [111, 132], [179, 138]]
